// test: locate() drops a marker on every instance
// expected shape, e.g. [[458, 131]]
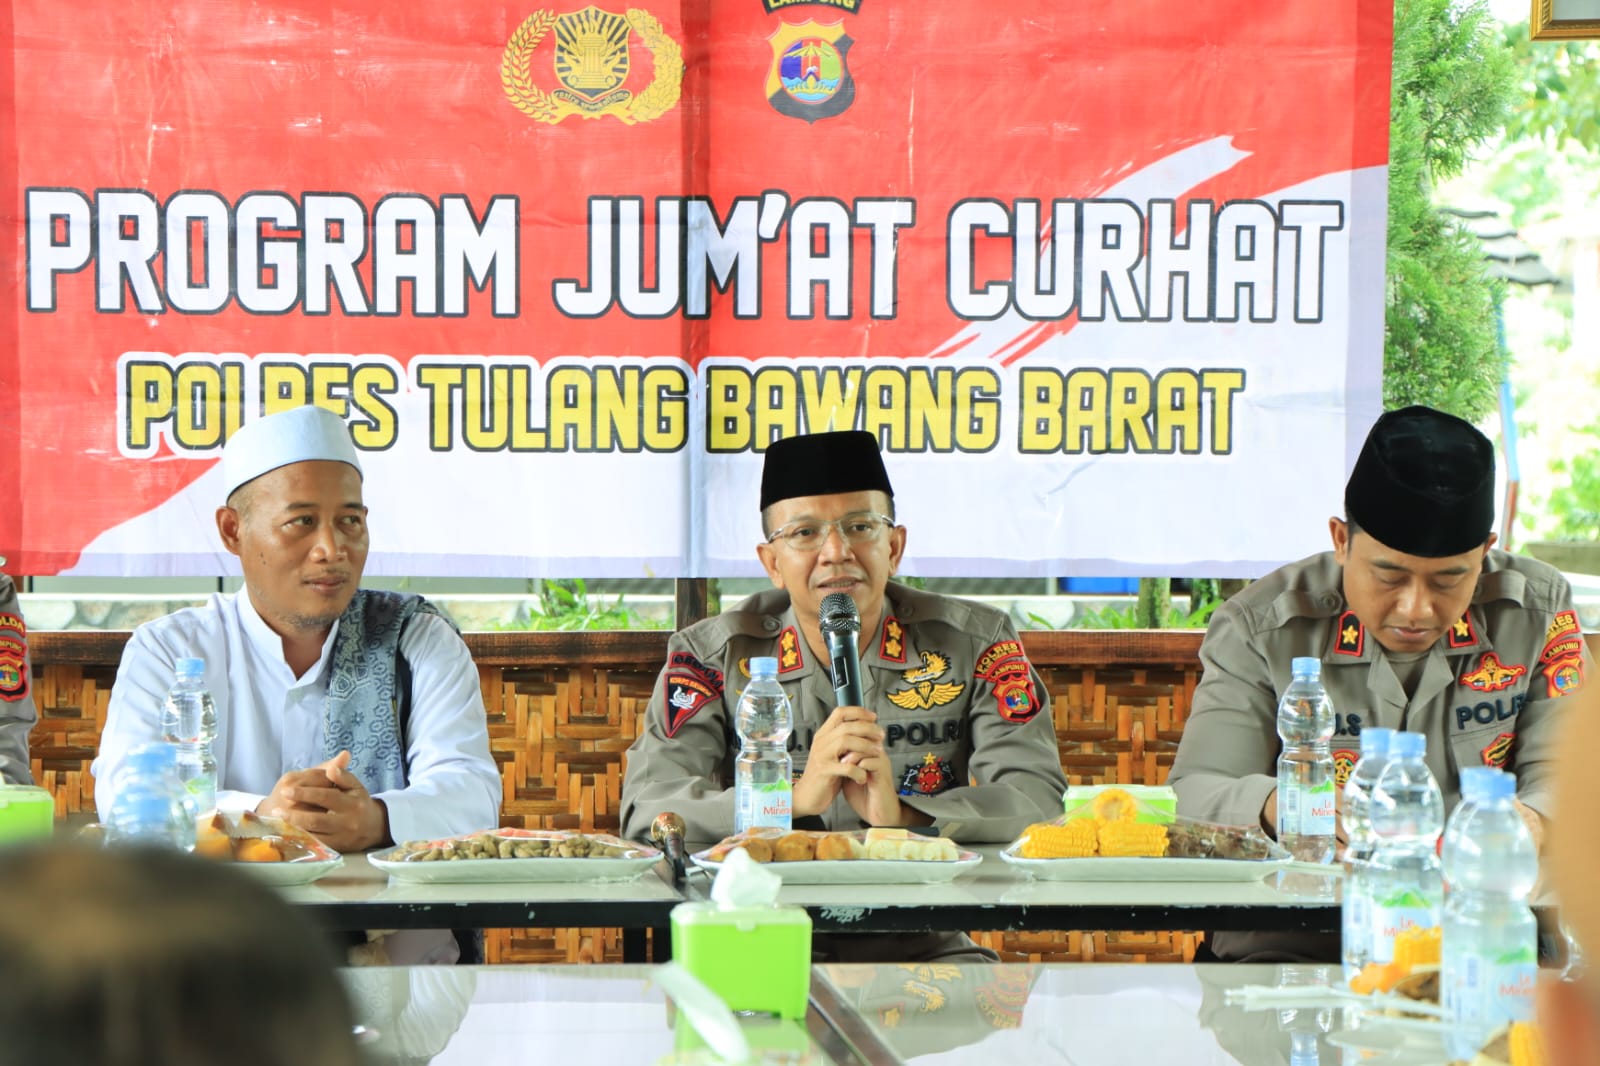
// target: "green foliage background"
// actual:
[[1453, 83]]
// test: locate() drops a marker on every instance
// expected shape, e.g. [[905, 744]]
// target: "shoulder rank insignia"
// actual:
[[689, 685], [810, 77], [892, 645], [1491, 675], [790, 658], [927, 777], [1352, 635], [924, 689], [1462, 634], [13, 658], [592, 64]]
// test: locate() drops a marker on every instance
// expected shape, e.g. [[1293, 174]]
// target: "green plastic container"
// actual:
[[754, 958], [1157, 803], [27, 812]]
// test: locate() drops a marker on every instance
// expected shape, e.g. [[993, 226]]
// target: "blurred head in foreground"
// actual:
[[1569, 1011], [133, 957]]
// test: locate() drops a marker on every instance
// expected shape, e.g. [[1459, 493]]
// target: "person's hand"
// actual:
[[1535, 822], [332, 804], [877, 799], [849, 735]]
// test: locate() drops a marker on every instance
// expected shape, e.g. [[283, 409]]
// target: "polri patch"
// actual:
[[1491, 675], [1499, 751], [1005, 667], [13, 658], [1351, 637], [690, 685]]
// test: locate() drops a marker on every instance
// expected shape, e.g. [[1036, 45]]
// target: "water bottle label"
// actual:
[[204, 791], [1391, 917], [772, 805], [1307, 811], [1488, 993]]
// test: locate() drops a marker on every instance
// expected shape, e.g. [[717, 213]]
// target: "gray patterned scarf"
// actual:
[[363, 702]]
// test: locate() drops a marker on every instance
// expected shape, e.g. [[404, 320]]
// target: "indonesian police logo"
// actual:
[[592, 66], [810, 77]]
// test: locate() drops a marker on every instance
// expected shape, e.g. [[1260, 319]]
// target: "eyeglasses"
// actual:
[[809, 535]]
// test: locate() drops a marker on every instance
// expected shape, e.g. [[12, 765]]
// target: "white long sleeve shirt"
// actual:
[[269, 722]]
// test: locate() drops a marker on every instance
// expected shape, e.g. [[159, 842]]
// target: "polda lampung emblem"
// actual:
[[810, 74], [591, 63]]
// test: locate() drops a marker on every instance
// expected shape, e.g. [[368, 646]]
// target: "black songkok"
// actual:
[[821, 464], [1423, 484]]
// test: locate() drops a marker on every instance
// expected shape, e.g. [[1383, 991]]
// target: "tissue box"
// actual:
[[754, 958], [1158, 803], [26, 811]]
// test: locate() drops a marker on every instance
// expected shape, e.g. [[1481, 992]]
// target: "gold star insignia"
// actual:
[[1349, 634], [1462, 629]]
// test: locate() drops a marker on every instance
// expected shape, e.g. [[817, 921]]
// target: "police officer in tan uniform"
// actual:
[[17, 713], [1420, 626], [956, 729]]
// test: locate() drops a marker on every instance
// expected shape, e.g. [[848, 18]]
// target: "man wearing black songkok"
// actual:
[[1420, 625], [956, 729]]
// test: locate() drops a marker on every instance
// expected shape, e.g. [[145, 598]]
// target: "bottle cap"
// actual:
[[1306, 666], [190, 667], [1475, 783], [1375, 740], [1408, 746], [763, 666], [1497, 785]]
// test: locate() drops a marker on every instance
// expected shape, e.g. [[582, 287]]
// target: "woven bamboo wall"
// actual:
[[564, 707]]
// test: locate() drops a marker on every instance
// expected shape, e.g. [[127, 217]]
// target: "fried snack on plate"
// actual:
[[840, 847], [249, 837], [794, 847]]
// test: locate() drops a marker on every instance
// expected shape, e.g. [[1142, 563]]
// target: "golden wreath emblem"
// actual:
[[591, 64]]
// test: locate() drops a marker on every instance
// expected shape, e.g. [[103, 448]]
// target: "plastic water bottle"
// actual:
[[763, 785], [1356, 911], [189, 722], [1304, 1024], [151, 804], [1306, 807], [1490, 949], [1407, 815]]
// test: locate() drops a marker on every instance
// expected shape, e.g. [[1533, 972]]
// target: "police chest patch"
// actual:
[[1491, 675], [1344, 760], [923, 688], [927, 776], [689, 686], [1499, 751]]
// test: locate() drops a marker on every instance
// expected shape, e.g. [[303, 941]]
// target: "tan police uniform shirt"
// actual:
[[17, 713], [1489, 693], [969, 730]]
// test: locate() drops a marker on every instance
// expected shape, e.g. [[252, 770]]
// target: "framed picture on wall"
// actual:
[[1565, 20]]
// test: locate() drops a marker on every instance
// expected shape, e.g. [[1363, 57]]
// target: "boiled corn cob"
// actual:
[[1074, 840], [1417, 946], [1126, 839], [1527, 1045], [1115, 805]]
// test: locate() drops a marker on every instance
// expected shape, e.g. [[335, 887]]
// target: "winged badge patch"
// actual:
[[924, 689]]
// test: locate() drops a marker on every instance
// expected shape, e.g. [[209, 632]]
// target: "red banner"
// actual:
[[540, 257]]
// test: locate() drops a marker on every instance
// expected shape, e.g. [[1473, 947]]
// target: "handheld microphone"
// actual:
[[841, 626]]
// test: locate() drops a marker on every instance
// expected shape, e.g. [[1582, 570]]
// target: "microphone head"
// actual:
[[838, 614]]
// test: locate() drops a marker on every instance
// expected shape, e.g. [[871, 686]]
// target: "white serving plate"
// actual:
[[294, 872], [500, 871], [860, 871], [1101, 868]]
